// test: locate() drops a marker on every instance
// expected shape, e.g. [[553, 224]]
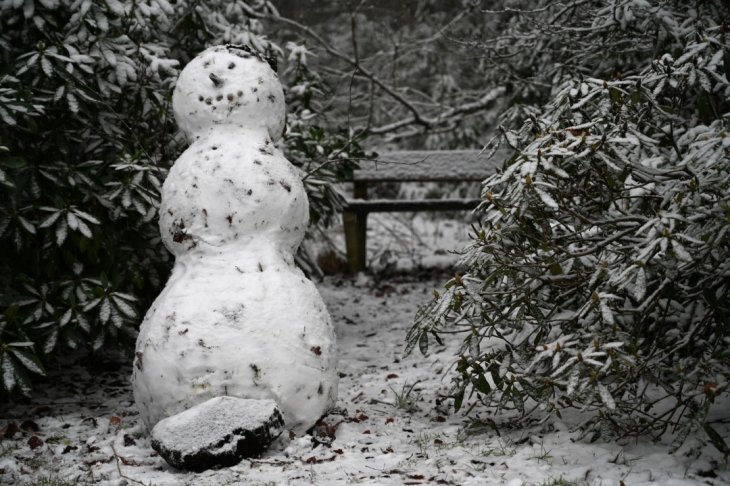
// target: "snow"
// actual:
[[381, 440], [236, 317], [421, 165]]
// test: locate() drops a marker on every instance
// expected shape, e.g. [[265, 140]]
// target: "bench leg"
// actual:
[[356, 240]]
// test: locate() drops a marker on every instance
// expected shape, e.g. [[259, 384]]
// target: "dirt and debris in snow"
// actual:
[[393, 424]]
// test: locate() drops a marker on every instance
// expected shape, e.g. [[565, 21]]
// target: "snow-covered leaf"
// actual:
[[51, 341], [606, 397], [86, 216], [65, 318], [83, 228], [91, 304], [27, 225], [104, 310], [50, 220], [73, 103], [73, 221], [124, 308], [98, 341], [61, 232], [29, 361], [83, 322], [9, 380], [573, 381], [546, 198], [47, 66], [639, 288]]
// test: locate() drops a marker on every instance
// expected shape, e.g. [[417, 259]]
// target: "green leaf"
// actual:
[[423, 343], [13, 162], [710, 297], [482, 385], [716, 440], [635, 97], [458, 399], [615, 95], [535, 311], [555, 268], [72, 337], [703, 106], [24, 384], [498, 381]]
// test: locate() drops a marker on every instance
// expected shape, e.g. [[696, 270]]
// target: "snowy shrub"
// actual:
[[599, 277], [86, 137]]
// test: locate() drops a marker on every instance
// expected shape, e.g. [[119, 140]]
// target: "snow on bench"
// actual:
[[409, 166]]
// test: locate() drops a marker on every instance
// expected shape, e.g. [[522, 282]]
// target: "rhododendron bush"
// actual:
[[598, 278]]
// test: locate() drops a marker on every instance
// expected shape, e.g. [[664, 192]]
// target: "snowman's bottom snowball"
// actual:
[[217, 332], [219, 432]]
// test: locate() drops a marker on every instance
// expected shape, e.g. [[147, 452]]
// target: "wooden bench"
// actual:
[[408, 166]]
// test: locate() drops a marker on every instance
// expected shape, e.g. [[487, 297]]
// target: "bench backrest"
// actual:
[[429, 165]]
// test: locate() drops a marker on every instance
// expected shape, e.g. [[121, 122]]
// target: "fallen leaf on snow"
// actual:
[[35, 442], [315, 460], [29, 426], [9, 430], [359, 417], [128, 462]]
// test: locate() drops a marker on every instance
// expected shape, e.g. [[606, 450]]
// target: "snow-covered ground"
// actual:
[[393, 426], [404, 242]]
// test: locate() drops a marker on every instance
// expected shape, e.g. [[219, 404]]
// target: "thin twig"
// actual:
[[119, 469], [416, 116]]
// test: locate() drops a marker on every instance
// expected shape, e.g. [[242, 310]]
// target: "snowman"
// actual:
[[237, 318]]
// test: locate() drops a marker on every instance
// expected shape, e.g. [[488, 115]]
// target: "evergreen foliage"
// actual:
[[86, 138], [599, 277]]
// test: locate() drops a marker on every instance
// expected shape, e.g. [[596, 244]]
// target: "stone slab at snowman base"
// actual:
[[237, 317], [217, 433]]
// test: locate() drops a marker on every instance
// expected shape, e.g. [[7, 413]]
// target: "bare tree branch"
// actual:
[[450, 115], [417, 116]]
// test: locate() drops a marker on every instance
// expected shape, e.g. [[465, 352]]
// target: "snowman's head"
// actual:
[[229, 86]]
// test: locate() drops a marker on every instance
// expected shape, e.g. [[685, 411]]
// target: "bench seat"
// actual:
[[403, 205], [408, 166]]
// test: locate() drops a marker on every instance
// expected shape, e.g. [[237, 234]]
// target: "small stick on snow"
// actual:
[[119, 469]]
